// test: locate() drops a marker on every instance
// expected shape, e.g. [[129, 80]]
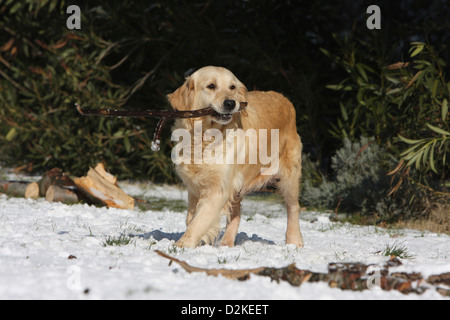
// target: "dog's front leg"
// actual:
[[233, 224], [206, 221], [192, 207]]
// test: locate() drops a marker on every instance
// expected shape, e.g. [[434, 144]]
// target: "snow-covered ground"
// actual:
[[57, 251]]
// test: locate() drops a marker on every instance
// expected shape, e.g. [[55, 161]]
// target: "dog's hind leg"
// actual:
[[289, 186]]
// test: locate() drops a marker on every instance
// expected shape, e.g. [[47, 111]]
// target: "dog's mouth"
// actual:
[[222, 117]]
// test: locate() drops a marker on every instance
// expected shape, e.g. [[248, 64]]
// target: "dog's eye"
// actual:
[[212, 86], [232, 87]]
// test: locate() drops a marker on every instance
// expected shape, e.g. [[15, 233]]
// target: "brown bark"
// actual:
[[168, 114], [54, 177]]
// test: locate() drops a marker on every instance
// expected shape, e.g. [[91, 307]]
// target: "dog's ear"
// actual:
[[182, 98], [242, 93]]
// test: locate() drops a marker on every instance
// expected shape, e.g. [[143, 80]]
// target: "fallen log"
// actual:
[[70, 195], [20, 188], [101, 191], [60, 194], [98, 187]]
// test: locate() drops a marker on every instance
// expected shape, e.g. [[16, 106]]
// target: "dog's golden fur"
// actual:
[[217, 189]]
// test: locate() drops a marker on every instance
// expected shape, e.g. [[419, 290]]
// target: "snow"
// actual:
[[37, 238]]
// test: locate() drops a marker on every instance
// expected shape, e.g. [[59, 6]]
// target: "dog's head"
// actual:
[[214, 87]]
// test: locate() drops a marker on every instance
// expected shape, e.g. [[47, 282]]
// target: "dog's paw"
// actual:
[[298, 241], [227, 241], [185, 243]]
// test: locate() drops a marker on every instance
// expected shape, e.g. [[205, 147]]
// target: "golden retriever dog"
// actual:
[[217, 188]]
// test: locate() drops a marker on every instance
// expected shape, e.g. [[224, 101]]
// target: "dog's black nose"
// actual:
[[229, 105]]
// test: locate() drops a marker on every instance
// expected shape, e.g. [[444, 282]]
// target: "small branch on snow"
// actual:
[[346, 276]]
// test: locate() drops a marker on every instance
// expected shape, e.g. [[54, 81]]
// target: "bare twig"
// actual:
[[163, 114], [343, 275], [169, 114]]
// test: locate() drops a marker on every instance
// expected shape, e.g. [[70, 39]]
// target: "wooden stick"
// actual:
[[231, 274], [156, 142], [168, 114], [163, 114]]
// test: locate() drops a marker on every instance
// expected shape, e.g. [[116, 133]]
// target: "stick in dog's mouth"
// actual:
[[164, 115]]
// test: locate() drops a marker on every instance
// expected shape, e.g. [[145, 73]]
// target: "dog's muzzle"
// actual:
[[227, 110]]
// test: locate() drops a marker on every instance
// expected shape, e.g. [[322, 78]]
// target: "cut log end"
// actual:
[[32, 191]]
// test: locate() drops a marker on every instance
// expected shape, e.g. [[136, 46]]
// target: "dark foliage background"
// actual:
[[130, 54]]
